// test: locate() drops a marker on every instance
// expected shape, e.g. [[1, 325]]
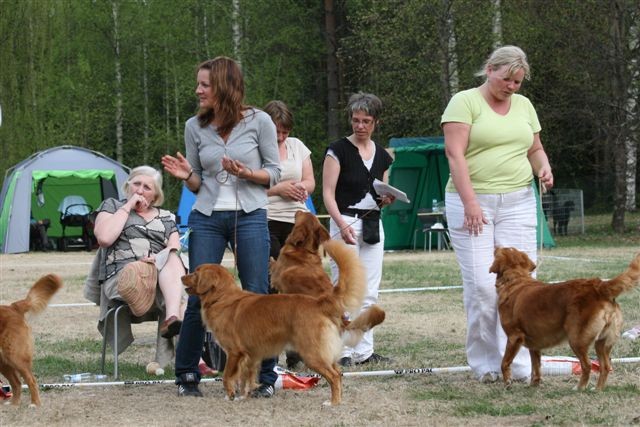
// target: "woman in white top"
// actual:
[[296, 178]]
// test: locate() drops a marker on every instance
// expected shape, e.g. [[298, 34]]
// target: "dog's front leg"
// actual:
[[535, 367], [230, 378]]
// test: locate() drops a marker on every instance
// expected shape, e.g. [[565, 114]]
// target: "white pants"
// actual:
[[371, 259], [512, 223]]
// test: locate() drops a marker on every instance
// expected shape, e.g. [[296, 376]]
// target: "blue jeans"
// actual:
[[207, 243]]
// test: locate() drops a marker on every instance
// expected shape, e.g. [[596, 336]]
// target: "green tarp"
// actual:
[[421, 170], [52, 186]]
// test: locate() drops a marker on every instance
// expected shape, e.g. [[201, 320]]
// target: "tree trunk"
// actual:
[[235, 26], [449, 80], [145, 89], [118, 82], [497, 24], [617, 129], [631, 143], [333, 124]]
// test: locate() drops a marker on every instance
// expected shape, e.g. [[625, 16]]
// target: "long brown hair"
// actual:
[[227, 88]]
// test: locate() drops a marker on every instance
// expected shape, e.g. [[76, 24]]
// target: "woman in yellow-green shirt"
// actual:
[[492, 142]]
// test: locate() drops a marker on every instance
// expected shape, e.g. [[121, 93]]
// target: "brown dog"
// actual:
[[299, 269], [16, 342], [252, 327], [539, 315]]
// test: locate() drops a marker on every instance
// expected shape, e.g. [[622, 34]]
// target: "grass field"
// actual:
[[423, 329]]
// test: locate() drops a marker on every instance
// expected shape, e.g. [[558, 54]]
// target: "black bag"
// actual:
[[213, 355], [371, 230]]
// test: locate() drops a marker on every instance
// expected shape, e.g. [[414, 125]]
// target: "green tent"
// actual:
[[37, 186], [50, 187], [421, 170]]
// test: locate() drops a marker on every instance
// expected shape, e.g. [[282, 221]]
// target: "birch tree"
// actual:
[[632, 112], [331, 41], [118, 81]]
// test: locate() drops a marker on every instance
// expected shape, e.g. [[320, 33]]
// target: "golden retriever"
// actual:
[[252, 327], [299, 269], [16, 341], [540, 315]]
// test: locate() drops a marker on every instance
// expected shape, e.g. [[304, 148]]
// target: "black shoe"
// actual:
[[374, 358], [293, 360], [264, 390], [188, 385], [345, 361]]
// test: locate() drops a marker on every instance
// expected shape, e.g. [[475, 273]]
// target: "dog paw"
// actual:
[[326, 403], [33, 405]]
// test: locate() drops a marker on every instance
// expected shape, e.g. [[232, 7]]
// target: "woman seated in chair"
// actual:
[[137, 230]]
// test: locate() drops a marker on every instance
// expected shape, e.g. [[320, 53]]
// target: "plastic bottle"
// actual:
[[84, 377], [77, 378], [434, 205]]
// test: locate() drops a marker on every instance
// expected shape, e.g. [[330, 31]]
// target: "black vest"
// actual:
[[355, 180]]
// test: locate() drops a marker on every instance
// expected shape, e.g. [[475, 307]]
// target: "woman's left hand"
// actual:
[[151, 259], [546, 177], [386, 199], [236, 168]]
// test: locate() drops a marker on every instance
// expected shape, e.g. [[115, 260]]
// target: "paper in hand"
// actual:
[[386, 189]]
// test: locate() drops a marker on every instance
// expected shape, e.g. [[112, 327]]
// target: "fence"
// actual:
[[564, 210]]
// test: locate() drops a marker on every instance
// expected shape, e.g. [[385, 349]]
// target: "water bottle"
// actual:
[[434, 205], [84, 377], [77, 378], [557, 367]]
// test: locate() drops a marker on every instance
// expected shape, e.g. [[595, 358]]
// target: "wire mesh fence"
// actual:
[[564, 211]]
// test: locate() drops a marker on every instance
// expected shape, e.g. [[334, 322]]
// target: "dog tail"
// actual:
[[623, 282], [39, 294], [367, 319], [351, 286]]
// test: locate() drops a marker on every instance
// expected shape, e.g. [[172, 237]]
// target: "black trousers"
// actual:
[[278, 231]]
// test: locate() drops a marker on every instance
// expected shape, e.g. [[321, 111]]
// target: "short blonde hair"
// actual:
[[158, 200], [512, 56]]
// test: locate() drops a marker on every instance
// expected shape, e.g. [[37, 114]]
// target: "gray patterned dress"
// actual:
[[139, 237]]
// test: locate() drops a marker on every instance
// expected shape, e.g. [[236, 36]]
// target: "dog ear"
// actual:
[[497, 261], [323, 234], [522, 260], [532, 265]]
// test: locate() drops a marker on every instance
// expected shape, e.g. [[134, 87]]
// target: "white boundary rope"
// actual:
[[431, 288], [388, 372]]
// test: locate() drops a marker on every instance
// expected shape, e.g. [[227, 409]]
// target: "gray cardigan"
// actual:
[[252, 141]]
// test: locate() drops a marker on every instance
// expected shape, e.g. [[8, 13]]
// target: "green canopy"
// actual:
[[421, 170]]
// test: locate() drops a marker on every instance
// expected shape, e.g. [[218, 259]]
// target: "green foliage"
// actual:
[[58, 85]]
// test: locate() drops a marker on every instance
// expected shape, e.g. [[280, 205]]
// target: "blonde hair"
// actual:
[[158, 200], [512, 56]]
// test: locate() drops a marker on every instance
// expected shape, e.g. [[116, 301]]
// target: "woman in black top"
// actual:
[[351, 164]]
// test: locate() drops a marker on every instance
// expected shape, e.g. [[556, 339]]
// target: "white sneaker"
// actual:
[[632, 333], [489, 377]]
